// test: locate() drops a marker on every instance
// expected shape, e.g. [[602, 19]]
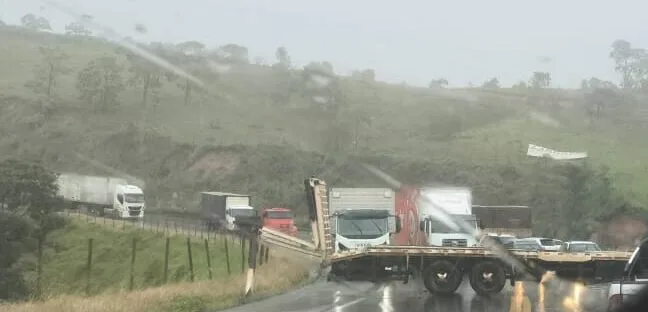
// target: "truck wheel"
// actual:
[[442, 277], [487, 277]]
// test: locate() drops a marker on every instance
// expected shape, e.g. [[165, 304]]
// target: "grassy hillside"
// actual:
[[254, 129]]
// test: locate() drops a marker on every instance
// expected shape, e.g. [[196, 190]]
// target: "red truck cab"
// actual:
[[280, 219]]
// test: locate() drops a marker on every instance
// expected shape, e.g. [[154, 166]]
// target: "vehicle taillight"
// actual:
[[615, 303]]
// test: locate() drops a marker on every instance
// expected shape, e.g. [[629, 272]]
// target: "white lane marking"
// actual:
[[340, 308], [386, 300]]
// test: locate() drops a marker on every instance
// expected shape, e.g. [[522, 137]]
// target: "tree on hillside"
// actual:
[[631, 63], [283, 59], [34, 22], [78, 28], [29, 190], [28, 195], [595, 83], [597, 100], [521, 86], [191, 56], [492, 83], [141, 28], [284, 82], [438, 83], [235, 53], [366, 75], [47, 73], [145, 74], [100, 82], [626, 58], [540, 80], [2, 23], [320, 85]]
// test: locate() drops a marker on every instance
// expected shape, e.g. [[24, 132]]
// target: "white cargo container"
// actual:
[[221, 210], [102, 195]]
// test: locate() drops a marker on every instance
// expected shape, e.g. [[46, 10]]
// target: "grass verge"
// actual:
[[65, 273]]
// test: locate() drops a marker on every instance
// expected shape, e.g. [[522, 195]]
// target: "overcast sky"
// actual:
[[407, 40]]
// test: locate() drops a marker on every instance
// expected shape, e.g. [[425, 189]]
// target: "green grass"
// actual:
[[65, 273], [65, 259]]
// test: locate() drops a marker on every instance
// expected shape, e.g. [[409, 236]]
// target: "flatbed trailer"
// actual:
[[441, 268]]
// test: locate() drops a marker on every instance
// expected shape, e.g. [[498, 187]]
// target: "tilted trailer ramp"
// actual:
[[442, 268], [277, 238]]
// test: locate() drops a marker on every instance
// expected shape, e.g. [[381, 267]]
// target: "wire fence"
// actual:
[[140, 254], [155, 223], [160, 223]]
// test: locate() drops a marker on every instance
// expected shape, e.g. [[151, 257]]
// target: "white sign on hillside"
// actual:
[[539, 151]]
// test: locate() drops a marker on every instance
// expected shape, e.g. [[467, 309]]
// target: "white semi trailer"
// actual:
[[110, 196]]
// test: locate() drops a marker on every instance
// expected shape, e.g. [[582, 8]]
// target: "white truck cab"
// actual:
[[128, 202], [362, 217], [454, 201], [635, 277]]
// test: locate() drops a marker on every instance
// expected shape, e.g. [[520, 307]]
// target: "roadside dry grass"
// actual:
[[64, 273], [282, 273]]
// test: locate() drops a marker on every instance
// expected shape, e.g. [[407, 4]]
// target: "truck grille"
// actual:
[[454, 243], [133, 213]]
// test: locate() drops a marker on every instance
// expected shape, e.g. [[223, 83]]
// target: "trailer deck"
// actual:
[[479, 252]]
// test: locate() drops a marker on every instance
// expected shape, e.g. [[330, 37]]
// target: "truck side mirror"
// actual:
[[398, 224], [422, 226]]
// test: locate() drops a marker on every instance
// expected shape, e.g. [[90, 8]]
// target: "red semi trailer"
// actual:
[[406, 209]]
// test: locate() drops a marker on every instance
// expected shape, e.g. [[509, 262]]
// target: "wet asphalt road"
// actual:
[[396, 297]]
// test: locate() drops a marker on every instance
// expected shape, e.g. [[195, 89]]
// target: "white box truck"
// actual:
[[362, 217], [456, 201], [221, 210], [102, 195]]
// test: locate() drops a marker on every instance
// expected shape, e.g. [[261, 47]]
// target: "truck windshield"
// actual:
[[361, 227], [242, 213], [134, 198], [440, 227], [279, 214]]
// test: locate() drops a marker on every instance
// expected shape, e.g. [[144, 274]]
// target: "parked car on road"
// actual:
[[536, 244], [579, 246], [506, 240]]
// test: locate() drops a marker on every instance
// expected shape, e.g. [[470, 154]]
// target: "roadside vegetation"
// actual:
[[75, 102], [63, 264]]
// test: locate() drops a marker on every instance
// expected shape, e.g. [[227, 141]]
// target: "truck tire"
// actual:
[[487, 277], [442, 277]]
